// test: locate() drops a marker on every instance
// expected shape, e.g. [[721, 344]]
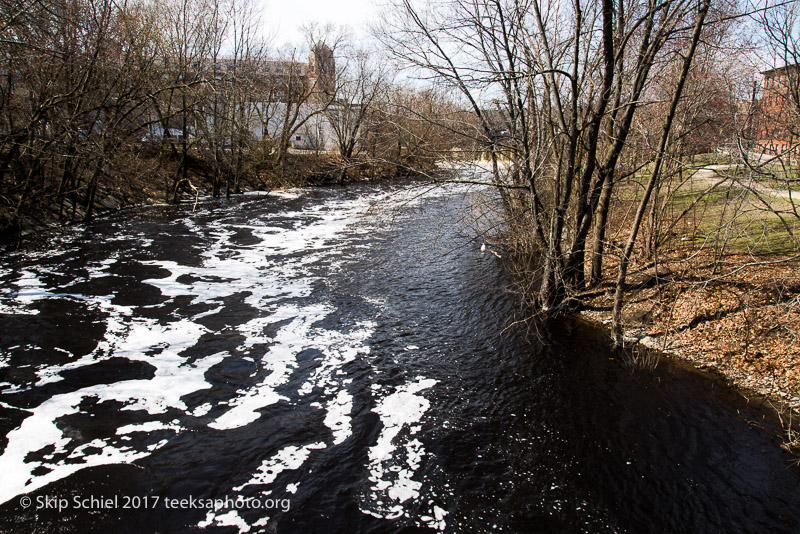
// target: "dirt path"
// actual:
[[712, 175]]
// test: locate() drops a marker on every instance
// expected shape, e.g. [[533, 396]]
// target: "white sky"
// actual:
[[283, 17]]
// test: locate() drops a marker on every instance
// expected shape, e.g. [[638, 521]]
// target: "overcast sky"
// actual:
[[283, 18]]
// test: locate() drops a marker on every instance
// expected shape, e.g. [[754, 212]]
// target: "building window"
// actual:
[[297, 138]]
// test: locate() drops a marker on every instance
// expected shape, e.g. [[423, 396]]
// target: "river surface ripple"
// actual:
[[343, 360]]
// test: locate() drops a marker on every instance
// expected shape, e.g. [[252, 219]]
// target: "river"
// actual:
[[344, 360]]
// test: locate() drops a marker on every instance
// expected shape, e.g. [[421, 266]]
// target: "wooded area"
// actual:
[[597, 118], [106, 103], [620, 135]]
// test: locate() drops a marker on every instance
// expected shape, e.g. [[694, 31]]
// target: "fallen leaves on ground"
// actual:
[[737, 314]]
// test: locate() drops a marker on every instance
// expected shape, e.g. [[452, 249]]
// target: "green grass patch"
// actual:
[[730, 217], [684, 197], [754, 236], [779, 177]]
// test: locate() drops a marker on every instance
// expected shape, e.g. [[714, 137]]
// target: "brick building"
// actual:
[[779, 111]]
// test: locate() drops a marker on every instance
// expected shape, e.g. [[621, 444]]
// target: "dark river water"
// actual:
[[344, 360]]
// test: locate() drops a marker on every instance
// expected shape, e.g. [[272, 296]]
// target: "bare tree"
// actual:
[[73, 93], [243, 72], [655, 176], [302, 91], [566, 79], [362, 85]]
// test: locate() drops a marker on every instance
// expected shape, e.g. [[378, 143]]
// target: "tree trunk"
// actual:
[[616, 313], [599, 233]]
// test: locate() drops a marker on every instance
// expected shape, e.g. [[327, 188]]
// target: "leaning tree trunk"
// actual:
[[616, 314]]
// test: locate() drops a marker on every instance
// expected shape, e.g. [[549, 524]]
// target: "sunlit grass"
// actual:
[[728, 217], [733, 218], [783, 177]]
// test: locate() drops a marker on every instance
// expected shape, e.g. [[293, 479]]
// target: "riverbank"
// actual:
[[153, 182], [739, 317]]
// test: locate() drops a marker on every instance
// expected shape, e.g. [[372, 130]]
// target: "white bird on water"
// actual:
[[483, 249]]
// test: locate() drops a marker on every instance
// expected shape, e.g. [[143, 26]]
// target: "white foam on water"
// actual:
[[221, 279], [290, 194], [281, 360], [338, 416], [392, 471], [401, 408], [229, 519], [150, 426], [269, 272], [156, 446], [29, 289], [253, 331], [13, 388], [437, 520], [416, 196], [339, 349], [159, 346], [117, 325], [262, 522], [202, 410], [39, 431], [227, 270], [33, 290], [287, 459]]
